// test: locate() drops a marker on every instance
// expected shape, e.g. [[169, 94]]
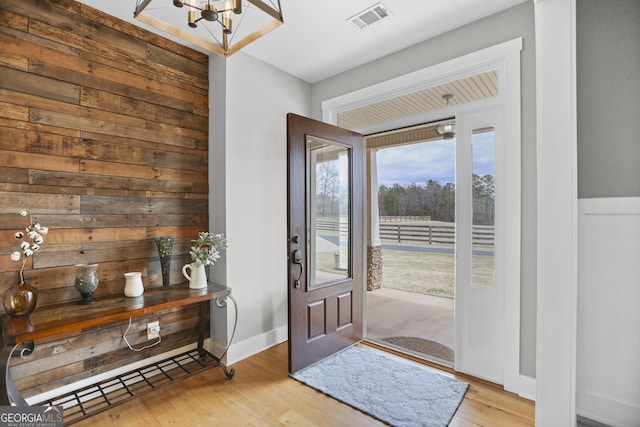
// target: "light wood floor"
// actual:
[[262, 394]]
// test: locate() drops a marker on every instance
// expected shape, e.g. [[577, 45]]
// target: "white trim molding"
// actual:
[[556, 212]]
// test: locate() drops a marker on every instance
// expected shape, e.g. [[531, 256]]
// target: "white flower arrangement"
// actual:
[[30, 244], [206, 248]]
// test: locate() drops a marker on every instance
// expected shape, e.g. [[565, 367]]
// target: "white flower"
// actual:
[[34, 233]]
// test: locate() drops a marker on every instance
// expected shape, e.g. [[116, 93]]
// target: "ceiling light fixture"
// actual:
[[448, 129], [240, 21]]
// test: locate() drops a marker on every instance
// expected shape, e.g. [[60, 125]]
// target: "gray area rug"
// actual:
[[393, 391], [420, 345]]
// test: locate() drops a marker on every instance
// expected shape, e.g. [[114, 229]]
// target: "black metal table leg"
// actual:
[[9, 393]]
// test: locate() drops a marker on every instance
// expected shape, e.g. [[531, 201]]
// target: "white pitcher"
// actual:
[[198, 277]]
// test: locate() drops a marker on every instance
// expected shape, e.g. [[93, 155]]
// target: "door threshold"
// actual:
[[409, 354]]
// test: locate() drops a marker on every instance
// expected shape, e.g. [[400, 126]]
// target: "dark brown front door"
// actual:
[[325, 239]]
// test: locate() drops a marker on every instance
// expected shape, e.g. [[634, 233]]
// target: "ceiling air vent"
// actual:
[[370, 16]]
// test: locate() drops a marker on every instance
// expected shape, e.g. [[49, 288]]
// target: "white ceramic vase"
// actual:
[[197, 276], [133, 286]]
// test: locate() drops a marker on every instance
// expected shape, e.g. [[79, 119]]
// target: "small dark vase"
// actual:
[[20, 299], [165, 250]]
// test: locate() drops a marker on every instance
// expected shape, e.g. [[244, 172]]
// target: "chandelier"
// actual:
[[448, 129], [220, 26]]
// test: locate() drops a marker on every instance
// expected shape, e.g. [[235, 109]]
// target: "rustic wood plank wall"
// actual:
[[104, 137]]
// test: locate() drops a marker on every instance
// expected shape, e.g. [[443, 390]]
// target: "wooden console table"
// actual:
[[58, 319]]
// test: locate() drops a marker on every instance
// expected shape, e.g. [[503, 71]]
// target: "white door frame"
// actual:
[[505, 58]]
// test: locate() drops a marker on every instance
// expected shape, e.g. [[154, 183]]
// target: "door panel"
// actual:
[[325, 222], [479, 301]]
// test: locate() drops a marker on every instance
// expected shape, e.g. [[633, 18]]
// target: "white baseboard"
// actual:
[[257, 344], [527, 387], [610, 412]]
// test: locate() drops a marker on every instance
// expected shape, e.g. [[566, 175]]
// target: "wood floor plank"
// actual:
[[262, 394]]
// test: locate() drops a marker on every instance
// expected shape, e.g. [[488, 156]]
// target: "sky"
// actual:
[[417, 163]]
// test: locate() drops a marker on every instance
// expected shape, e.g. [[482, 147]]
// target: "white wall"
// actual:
[[248, 173], [608, 83]]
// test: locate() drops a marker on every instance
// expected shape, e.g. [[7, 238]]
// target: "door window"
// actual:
[[329, 211], [483, 200]]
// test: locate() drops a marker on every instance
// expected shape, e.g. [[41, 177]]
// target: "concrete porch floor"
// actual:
[[392, 313]]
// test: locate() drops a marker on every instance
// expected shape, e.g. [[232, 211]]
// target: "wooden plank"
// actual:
[[140, 171], [86, 182], [200, 150], [99, 76], [44, 87], [159, 72], [105, 205], [38, 161], [39, 204], [199, 135], [169, 160], [177, 61], [113, 128], [51, 14], [37, 42], [109, 55], [14, 175], [16, 139], [24, 125], [12, 111], [174, 222], [95, 98], [112, 22], [15, 61], [15, 21]]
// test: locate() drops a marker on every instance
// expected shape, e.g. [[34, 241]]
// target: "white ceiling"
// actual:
[[316, 42]]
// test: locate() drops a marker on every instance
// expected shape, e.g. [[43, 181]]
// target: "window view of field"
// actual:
[[416, 199], [417, 221]]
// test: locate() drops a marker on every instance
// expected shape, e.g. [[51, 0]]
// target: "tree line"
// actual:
[[437, 200]]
